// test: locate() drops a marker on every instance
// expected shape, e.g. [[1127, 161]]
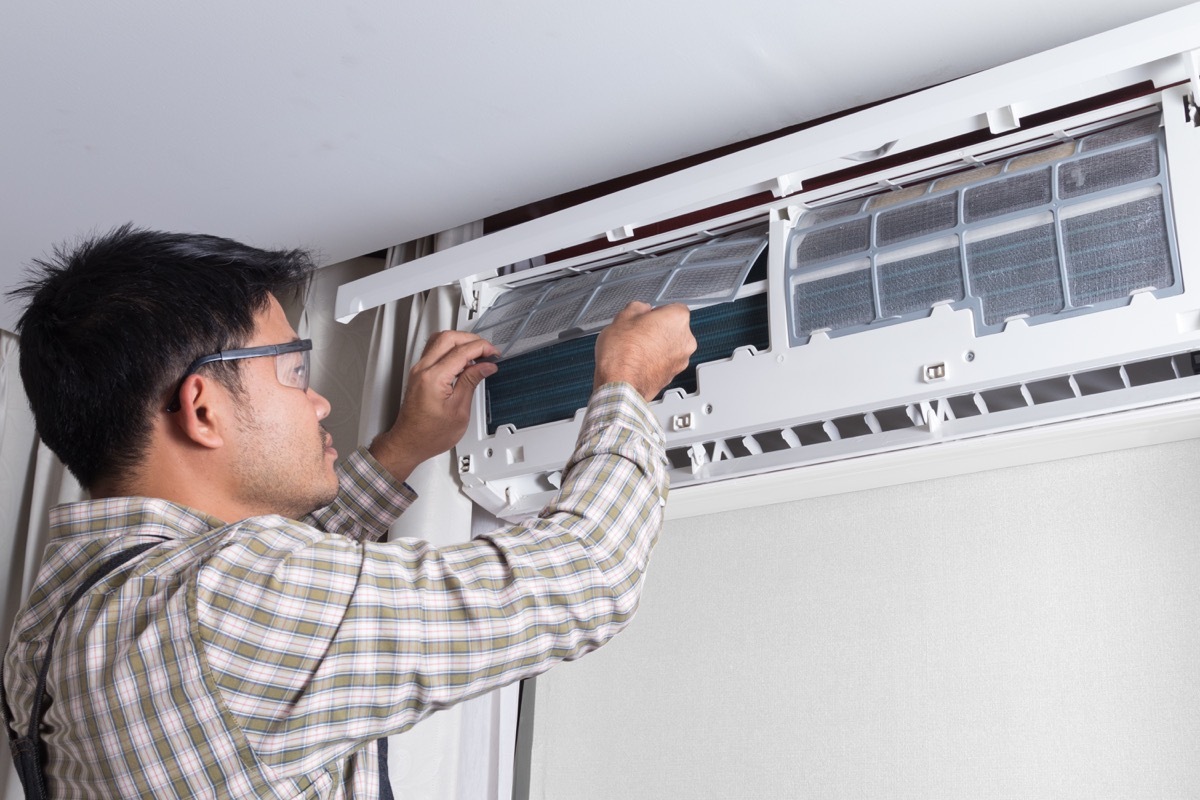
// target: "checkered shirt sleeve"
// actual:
[[320, 644], [369, 500]]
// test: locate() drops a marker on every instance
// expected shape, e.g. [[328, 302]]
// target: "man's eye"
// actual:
[[293, 370]]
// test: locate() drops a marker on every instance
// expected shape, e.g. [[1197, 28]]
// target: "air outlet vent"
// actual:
[[1039, 402]]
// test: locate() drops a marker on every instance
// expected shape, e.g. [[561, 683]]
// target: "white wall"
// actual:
[[1025, 632]]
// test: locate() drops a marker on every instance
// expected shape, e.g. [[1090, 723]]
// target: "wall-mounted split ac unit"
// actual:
[[1008, 251]]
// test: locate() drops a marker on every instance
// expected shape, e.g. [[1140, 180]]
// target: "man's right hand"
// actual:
[[644, 347]]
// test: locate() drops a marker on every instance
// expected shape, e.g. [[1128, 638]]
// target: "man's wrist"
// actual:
[[604, 380], [393, 456], [625, 401]]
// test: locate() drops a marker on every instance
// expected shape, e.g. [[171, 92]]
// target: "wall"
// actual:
[[1024, 632]]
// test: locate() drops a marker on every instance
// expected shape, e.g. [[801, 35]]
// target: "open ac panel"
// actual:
[[960, 268]]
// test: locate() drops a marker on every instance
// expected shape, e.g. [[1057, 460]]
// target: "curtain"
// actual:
[[466, 752]]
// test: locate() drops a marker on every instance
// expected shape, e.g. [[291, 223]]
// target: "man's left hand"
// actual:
[[437, 401]]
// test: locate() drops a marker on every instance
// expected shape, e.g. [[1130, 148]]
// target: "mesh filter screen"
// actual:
[[1016, 273], [570, 286], [1070, 226], [658, 265], [1145, 126], [917, 219], [531, 317], [1007, 195], [503, 334], [1116, 250], [551, 319], [516, 305], [704, 283], [732, 252], [915, 284], [834, 302], [612, 297], [1106, 170], [837, 240], [834, 212]]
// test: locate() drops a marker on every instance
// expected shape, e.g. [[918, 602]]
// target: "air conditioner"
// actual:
[[1005, 252]]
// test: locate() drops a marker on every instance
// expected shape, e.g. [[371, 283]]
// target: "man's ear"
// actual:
[[204, 411]]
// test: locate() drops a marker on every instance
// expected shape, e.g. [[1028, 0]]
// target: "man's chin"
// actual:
[[328, 496], [318, 500]]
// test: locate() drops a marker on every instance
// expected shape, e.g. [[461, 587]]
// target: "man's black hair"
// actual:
[[114, 320]]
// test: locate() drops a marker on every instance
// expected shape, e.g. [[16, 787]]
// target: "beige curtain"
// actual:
[[463, 753]]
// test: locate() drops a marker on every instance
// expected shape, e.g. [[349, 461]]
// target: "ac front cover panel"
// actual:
[[864, 354]]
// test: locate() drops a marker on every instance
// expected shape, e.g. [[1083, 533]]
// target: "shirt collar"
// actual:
[[120, 516]]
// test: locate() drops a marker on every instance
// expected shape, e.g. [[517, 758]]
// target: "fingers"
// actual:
[[442, 344], [437, 401], [635, 309], [645, 347], [468, 379], [450, 353], [475, 373]]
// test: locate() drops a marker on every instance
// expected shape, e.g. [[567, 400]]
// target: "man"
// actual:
[[248, 654]]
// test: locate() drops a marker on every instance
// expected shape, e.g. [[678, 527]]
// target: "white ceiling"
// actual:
[[347, 127]]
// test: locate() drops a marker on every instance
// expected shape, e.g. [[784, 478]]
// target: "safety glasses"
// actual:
[[291, 364]]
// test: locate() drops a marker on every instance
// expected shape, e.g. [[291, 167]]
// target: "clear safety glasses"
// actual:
[[291, 364]]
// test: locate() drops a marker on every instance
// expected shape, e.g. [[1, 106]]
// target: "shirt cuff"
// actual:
[[369, 499], [621, 403]]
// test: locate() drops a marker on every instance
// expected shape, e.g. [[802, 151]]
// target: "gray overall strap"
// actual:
[[385, 783], [27, 750]]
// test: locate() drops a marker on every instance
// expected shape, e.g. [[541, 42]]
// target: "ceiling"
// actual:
[[346, 127]]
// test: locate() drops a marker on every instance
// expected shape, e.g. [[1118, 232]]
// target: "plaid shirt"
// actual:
[[260, 659]]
